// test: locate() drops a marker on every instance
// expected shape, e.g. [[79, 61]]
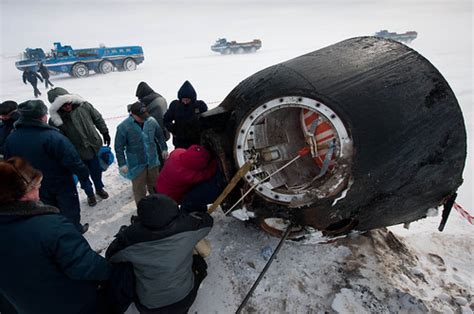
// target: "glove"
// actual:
[[123, 169], [106, 139], [164, 155]]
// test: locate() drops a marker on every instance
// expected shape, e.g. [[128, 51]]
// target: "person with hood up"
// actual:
[[190, 177], [32, 77], [8, 116], [136, 152], [156, 106], [47, 266], [181, 117], [47, 150], [45, 74], [79, 121], [159, 244]]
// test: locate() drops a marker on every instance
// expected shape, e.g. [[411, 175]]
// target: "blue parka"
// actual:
[[135, 146], [46, 265]]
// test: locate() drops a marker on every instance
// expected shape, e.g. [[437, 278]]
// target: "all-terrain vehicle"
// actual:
[[406, 37], [227, 47]]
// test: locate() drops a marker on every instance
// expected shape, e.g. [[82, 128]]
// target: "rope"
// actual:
[[301, 153], [267, 265]]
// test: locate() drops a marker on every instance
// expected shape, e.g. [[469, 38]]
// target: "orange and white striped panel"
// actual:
[[324, 135]]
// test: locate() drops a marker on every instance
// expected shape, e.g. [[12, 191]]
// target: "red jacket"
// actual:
[[183, 169]]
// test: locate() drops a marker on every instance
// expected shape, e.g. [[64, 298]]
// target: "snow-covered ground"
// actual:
[[394, 270]]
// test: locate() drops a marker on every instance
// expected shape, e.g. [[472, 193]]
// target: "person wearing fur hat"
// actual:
[[47, 266], [32, 77], [8, 116], [181, 117], [79, 121], [187, 170], [159, 244], [136, 152], [53, 154]]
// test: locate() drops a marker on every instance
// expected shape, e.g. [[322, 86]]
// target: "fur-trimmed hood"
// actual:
[[58, 102], [26, 209]]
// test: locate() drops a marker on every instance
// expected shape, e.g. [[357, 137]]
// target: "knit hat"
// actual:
[[8, 106], [55, 92], [157, 210], [196, 157], [32, 109]]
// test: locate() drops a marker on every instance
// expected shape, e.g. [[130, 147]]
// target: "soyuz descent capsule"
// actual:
[[384, 133]]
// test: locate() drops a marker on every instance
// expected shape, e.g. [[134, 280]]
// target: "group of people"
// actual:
[[47, 266], [32, 77]]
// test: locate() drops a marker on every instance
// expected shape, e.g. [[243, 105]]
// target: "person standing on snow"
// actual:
[[46, 265], [45, 74], [181, 117], [136, 152], [8, 116], [79, 121], [47, 150], [159, 244], [32, 77], [156, 106]]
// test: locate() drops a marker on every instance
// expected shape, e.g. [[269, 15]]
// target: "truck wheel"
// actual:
[[80, 70], [226, 51], [129, 64], [106, 67], [240, 50], [253, 49]]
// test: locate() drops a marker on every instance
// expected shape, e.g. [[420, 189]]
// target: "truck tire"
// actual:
[[253, 49], [129, 64], [240, 50], [385, 115], [80, 70], [106, 67], [226, 51]]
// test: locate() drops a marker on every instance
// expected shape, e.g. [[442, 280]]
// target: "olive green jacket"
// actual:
[[80, 125]]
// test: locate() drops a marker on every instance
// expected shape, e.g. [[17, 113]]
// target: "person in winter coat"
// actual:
[[156, 106], [8, 116], [53, 154], [136, 152], [187, 170], [159, 244], [45, 74], [32, 77], [46, 265], [181, 117], [79, 121]]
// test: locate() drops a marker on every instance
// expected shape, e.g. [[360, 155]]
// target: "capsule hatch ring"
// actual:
[[274, 132]]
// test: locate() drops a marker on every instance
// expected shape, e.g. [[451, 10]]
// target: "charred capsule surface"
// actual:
[[386, 136]]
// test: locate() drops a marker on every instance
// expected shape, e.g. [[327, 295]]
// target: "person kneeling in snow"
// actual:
[[191, 177], [159, 244], [47, 266]]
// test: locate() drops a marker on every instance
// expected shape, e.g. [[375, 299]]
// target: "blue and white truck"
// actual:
[[79, 62]]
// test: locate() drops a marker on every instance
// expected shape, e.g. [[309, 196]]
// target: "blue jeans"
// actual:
[[95, 173]]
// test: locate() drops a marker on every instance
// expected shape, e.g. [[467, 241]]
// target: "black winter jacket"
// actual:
[[46, 265], [6, 127], [46, 149]]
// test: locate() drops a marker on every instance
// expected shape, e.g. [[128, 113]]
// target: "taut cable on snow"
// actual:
[[249, 294]]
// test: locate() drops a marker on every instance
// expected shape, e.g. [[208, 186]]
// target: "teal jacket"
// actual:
[[135, 146]]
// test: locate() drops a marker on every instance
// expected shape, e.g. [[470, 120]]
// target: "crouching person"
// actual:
[[46, 265], [159, 244]]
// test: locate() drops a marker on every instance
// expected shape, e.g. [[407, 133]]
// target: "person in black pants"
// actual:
[[32, 77], [45, 74]]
